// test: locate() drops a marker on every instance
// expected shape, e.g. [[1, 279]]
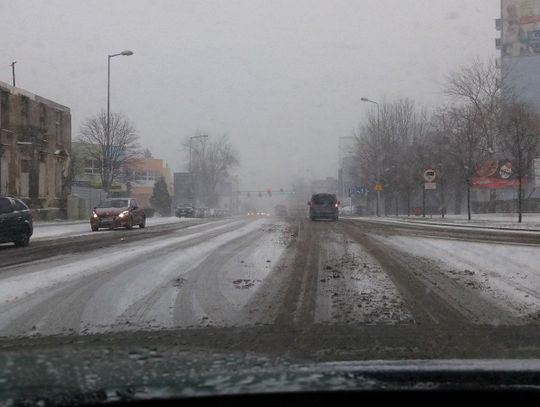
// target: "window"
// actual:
[[4, 107], [20, 206], [25, 166], [114, 203], [324, 199], [42, 115], [5, 206], [92, 167], [25, 106], [58, 123]]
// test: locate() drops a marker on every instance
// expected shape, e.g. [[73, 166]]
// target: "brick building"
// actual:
[[142, 175], [35, 148]]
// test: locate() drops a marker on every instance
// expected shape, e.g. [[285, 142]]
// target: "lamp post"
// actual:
[[192, 181], [378, 142], [13, 71], [106, 158], [190, 140]]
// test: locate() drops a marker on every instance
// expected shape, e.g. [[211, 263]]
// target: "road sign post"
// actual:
[[378, 188]]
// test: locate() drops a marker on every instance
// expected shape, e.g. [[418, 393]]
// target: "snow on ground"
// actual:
[[135, 286], [60, 229], [244, 272], [531, 221], [45, 277], [353, 288], [509, 274]]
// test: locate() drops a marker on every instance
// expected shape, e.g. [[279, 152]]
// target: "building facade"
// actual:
[[143, 174], [35, 150]]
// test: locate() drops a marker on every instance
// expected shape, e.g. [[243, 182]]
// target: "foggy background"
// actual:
[[282, 78]]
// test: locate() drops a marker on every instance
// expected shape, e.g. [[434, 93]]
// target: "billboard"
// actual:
[[536, 167], [520, 27], [495, 174]]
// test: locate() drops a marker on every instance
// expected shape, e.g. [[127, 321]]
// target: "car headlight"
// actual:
[[95, 215], [123, 214]]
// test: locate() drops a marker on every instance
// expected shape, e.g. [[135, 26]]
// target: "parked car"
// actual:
[[185, 211], [15, 222], [323, 206], [202, 212], [118, 212]]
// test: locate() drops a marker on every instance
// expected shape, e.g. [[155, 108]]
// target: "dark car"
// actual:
[[323, 206], [15, 222], [185, 211], [118, 212]]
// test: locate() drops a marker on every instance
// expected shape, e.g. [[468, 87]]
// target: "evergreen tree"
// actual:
[[161, 200]]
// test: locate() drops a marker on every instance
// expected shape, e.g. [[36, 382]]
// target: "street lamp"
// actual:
[[126, 53], [192, 181], [190, 140], [378, 142]]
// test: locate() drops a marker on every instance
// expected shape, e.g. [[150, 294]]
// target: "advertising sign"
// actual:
[[521, 27], [536, 166], [495, 174]]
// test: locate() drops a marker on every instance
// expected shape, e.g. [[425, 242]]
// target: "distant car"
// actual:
[[117, 212], [202, 212], [15, 222], [323, 206], [185, 211]]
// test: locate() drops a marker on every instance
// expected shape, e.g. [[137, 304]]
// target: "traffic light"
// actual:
[[269, 192]]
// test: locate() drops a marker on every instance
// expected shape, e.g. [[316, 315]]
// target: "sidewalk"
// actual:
[[531, 221], [59, 222]]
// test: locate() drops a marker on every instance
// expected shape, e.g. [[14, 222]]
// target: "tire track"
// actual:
[[66, 307], [201, 290], [431, 296]]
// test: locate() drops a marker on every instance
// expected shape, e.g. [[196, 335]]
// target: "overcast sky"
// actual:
[[283, 78]]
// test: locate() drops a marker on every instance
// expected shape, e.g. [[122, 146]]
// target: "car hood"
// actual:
[[109, 211], [103, 373]]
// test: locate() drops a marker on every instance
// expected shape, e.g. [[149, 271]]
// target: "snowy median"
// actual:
[[502, 221], [61, 229]]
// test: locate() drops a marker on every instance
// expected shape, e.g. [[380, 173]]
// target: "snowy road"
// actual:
[[286, 276], [49, 230]]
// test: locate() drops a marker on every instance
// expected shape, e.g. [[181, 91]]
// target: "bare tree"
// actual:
[[478, 86], [113, 152], [464, 136], [521, 127], [388, 145], [211, 162]]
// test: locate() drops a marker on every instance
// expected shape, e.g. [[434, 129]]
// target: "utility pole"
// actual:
[[13, 71], [191, 179], [378, 153], [107, 153]]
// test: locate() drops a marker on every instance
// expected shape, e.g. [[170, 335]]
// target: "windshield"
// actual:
[[257, 186], [323, 199], [114, 203]]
